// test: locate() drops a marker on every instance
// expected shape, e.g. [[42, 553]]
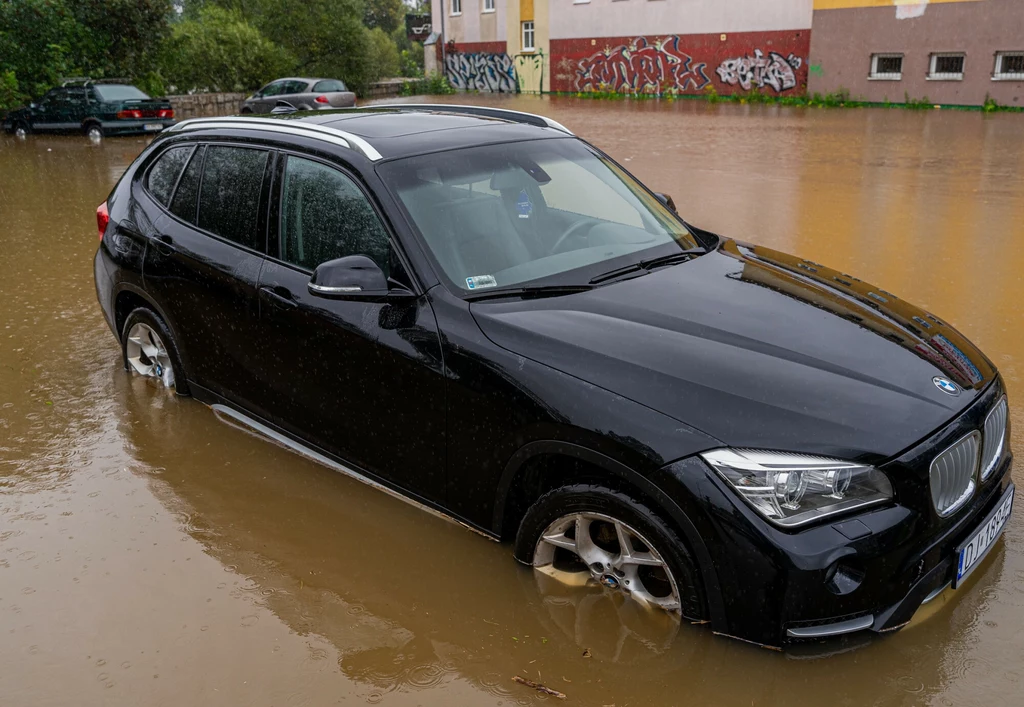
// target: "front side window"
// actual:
[[946, 67], [324, 216], [229, 198], [164, 173], [544, 212], [274, 89], [887, 67], [528, 37]]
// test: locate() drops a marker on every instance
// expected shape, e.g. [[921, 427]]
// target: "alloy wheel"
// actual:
[[593, 548], [94, 133], [147, 354], [20, 132]]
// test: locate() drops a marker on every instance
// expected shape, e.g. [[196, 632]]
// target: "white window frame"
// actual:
[[532, 46], [933, 60], [999, 75], [876, 76], [487, 6], [455, 8]]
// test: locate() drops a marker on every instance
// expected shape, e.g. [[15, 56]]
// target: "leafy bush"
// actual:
[[10, 96], [383, 56], [219, 51], [433, 85]]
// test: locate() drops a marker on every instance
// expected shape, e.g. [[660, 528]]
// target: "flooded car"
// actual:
[[476, 310]]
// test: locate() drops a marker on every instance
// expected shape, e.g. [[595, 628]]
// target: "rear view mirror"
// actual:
[[667, 201], [283, 107], [353, 276]]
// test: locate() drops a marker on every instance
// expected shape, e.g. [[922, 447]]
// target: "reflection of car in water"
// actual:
[[301, 94], [94, 108], [478, 311]]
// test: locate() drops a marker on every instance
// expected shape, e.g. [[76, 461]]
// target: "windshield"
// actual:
[[112, 94], [551, 210]]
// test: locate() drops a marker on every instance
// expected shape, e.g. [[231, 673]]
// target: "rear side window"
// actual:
[[296, 87], [164, 174], [186, 197], [229, 198], [324, 216], [329, 85]]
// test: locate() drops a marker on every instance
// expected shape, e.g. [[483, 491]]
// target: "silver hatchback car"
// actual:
[[303, 94]]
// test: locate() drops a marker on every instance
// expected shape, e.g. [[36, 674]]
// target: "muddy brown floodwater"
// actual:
[[153, 555]]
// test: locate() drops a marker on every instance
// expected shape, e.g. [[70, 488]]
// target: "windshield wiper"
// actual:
[[672, 258], [530, 291], [645, 266]]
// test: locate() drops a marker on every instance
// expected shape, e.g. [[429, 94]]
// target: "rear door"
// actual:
[[360, 379], [297, 93], [47, 115], [203, 266]]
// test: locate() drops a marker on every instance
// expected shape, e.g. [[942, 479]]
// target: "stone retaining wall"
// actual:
[[203, 105]]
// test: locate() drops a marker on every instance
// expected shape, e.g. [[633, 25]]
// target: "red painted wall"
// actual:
[[775, 62], [480, 47]]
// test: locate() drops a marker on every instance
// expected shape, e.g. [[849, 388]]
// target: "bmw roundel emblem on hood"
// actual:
[[946, 385]]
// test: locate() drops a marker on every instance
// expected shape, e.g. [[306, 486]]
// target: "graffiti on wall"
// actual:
[[530, 72], [641, 67], [481, 72], [757, 71]]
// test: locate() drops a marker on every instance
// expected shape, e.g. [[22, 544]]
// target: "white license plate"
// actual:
[[972, 551], [152, 126]]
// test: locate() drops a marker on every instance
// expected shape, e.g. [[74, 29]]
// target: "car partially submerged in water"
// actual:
[[476, 310], [92, 108]]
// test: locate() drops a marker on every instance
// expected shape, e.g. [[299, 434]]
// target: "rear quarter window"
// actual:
[[329, 85], [186, 196], [163, 175]]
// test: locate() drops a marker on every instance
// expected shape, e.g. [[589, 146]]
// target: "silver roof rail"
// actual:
[[288, 127], [485, 111]]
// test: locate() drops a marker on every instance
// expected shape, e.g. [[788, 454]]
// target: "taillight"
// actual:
[[129, 114], [166, 113], [321, 99], [102, 218]]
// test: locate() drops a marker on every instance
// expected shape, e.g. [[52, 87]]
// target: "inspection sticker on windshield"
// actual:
[[481, 281], [523, 205], [972, 551]]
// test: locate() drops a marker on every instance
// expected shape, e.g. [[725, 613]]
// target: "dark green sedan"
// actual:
[[94, 109]]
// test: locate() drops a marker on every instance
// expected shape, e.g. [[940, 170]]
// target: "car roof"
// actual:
[[387, 132]]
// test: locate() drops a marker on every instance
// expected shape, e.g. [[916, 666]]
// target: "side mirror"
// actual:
[[667, 200], [354, 276], [33, 105]]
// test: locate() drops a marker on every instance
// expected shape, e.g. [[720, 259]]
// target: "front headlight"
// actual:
[[794, 489]]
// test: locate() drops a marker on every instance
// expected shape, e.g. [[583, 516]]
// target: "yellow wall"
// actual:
[[839, 4], [524, 11]]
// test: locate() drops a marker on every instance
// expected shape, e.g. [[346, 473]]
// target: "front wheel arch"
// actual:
[[593, 467]]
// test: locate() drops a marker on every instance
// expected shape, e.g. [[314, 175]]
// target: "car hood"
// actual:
[[758, 349]]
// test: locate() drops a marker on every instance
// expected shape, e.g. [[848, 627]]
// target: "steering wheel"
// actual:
[[570, 232]]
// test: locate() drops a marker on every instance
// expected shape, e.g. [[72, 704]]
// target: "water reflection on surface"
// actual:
[[150, 554]]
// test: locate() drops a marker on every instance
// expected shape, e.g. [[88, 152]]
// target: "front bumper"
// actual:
[[870, 571]]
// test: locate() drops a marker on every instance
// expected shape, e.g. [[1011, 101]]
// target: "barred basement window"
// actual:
[[886, 67], [1009, 66], [946, 67]]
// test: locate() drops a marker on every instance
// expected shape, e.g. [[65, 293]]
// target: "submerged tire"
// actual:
[[93, 131], [617, 540], [148, 349]]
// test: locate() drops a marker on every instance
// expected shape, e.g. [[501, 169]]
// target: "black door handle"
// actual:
[[164, 245], [277, 300]]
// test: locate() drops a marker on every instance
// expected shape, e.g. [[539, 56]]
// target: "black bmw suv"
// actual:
[[479, 311]]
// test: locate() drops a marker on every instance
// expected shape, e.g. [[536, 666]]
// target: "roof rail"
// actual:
[[289, 127], [484, 111], [65, 80], [86, 81]]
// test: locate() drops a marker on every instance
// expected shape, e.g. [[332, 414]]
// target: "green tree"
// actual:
[[389, 15], [38, 39], [216, 50], [122, 37]]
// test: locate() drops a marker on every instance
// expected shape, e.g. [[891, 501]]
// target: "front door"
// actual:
[[361, 380], [203, 265]]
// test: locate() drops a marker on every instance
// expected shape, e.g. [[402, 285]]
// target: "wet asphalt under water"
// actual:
[[153, 555]]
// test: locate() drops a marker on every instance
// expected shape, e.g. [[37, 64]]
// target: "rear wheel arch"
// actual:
[[127, 300], [541, 466]]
